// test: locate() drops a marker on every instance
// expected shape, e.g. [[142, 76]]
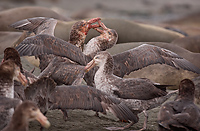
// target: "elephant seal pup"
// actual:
[[191, 43], [7, 39], [128, 31], [10, 16], [161, 73]]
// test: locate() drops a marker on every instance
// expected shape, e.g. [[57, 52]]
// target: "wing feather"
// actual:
[[89, 98], [145, 55], [46, 44], [45, 93], [38, 25]]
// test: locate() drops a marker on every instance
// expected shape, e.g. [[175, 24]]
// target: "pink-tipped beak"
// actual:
[[22, 79], [94, 26], [102, 25], [91, 21], [42, 119], [2, 61], [89, 66]]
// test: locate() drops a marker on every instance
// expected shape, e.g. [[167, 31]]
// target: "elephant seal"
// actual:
[[191, 43], [162, 74], [189, 24], [10, 16], [128, 31]]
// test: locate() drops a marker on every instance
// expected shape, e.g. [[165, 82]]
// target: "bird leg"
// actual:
[[145, 122], [97, 114], [65, 115]]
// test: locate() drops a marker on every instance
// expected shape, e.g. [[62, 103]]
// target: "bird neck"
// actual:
[[92, 47], [6, 75], [187, 97], [186, 93], [77, 38], [18, 122], [44, 29], [106, 68]]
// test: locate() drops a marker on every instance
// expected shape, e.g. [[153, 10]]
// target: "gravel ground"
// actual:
[[147, 11]]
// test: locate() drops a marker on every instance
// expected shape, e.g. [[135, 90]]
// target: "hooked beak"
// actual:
[[93, 20], [102, 25], [22, 79], [42, 119], [2, 61], [89, 66]]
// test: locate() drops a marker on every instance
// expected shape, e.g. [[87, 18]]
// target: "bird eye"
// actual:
[[33, 109], [96, 57]]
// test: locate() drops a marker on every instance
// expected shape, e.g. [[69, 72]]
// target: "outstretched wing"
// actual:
[[39, 92], [63, 72], [38, 25], [144, 55], [89, 98], [46, 44]]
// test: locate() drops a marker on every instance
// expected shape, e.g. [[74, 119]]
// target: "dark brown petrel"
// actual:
[[45, 26], [25, 112], [131, 91], [48, 96], [107, 39], [9, 72], [11, 53], [131, 88], [181, 114]]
